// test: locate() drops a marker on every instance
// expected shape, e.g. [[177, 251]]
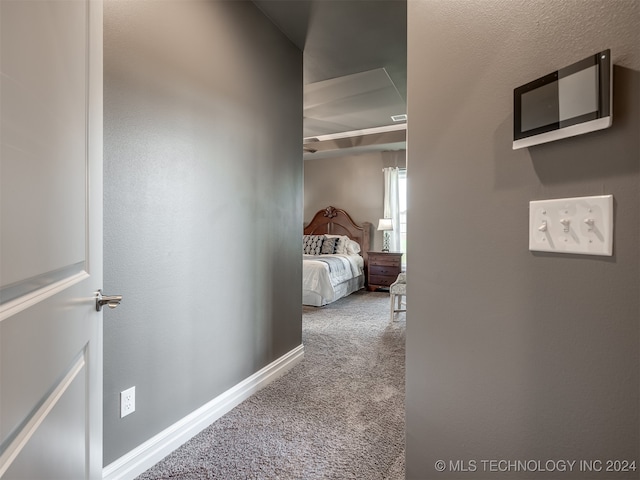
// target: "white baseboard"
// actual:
[[156, 448]]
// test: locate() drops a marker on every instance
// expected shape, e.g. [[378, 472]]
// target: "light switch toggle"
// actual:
[[565, 223], [543, 227], [590, 222]]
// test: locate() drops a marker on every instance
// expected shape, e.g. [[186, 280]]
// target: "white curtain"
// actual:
[[392, 206]]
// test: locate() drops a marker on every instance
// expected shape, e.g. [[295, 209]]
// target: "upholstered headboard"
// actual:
[[335, 221]]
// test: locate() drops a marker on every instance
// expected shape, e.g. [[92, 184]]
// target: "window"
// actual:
[[402, 193]]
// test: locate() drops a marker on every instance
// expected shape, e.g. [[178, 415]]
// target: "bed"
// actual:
[[338, 269]]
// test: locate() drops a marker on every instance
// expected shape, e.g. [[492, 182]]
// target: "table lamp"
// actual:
[[385, 224]]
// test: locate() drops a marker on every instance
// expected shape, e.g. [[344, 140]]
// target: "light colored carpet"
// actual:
[[338, 414]]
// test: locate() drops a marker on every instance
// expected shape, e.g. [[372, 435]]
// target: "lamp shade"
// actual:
[[385, 224]]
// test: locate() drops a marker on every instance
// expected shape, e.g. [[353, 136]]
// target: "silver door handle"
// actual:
[[111, 301]]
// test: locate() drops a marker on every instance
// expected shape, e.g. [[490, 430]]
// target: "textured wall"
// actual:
[[512, 354], [354, 183], [203, 206]]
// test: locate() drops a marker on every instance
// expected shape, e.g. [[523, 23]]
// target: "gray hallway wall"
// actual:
[[511, 354], [203, 206]]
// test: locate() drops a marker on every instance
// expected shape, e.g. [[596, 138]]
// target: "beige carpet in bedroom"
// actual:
[[338, 414]]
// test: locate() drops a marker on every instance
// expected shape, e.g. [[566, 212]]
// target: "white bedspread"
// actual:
[[316, 276]]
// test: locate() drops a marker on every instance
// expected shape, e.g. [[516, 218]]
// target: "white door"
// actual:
[[50, 239]]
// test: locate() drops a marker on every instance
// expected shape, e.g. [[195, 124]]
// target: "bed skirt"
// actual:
[[343, 289]]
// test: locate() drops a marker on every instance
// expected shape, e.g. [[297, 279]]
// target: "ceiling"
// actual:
[[354, 71]]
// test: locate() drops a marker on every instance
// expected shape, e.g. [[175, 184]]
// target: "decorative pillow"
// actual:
[[353, 247], [312, 244], [329, 246], [341, 245]]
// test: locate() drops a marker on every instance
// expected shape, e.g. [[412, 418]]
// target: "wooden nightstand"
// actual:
[[384, 268]]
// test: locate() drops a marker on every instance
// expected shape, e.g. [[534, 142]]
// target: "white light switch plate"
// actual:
[[582, 225]]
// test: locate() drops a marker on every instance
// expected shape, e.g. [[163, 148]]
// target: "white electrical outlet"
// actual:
[[127, 401]]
